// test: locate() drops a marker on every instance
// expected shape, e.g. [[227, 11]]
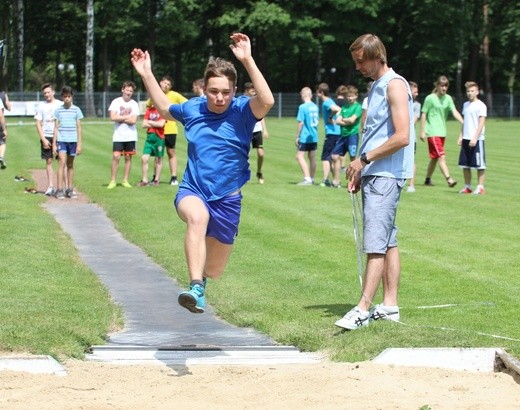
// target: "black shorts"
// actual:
[[258, 140], [472, 157], [170, 140], [46, 153], [125, 147], [328, 146], [307, 146]]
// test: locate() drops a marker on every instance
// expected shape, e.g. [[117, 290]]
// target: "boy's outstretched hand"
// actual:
[[140, 60], [241, 46]]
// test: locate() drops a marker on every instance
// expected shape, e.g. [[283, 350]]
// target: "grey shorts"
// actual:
[[380, 199]]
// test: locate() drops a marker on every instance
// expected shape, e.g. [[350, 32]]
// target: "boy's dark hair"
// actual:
[[218, 67], [167, 77], [323, 88], [47, 85], [66, 90], [129, 84]]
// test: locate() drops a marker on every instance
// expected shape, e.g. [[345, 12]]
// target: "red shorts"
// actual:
[[436, 147]]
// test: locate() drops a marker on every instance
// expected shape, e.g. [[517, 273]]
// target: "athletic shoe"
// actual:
[[260, 178], [410, 189], [428, 183], [111, 185], [325, 183], [3, 165], [479, 191], [126, 184], [304, 183], [465, 190], [385, 313], [70, 193], [142, 183], [193, 299], [60, 194], [154, 183], [452, 183], [50, 191], [354, 319], [333, 185], [173, 181]]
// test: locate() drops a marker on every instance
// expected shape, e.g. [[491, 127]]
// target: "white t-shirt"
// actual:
[[45, 114], [472, 111], [124, 132]]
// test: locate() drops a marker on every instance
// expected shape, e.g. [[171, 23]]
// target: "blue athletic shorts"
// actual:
[[224, 215], [67, 147], [380, 199], [472, 157], [347, 144]]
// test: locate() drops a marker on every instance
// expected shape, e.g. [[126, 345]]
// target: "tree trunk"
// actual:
[[89, 61], [21, 44], [485, 52]]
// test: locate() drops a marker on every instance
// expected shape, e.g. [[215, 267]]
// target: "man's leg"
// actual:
[[312, 162], [128, 166], [374, 272], [391, 276], [300, 158], [217, 256]]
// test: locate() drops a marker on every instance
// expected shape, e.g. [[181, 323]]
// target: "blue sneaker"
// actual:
[[193, 299]]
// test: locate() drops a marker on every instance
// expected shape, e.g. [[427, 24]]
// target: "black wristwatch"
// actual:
[[363, 157]]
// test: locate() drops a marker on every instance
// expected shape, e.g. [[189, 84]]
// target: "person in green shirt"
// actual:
[[348, 118], [435, 111]]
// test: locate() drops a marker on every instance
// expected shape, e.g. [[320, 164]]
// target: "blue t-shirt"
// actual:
[[218, 146], [309, 115], [67, 123], [330, 128]]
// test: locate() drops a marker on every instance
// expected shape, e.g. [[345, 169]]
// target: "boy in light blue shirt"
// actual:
[[66, 142], [307, 136]]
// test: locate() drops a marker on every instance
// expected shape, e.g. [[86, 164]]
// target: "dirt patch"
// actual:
[[40, 185]]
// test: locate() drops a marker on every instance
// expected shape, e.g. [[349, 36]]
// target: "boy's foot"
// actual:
[[154, 183], [50, 191], [3, 165], [142, 183], [451, 182], [60, 194], [333, 185], [70, 193], [260, 178], [385, 313], [112, 185], [479, 191], [465, 190], [325, 183], [354, 319], [428, 182], [193, 299], [126, 184], [410, 189], [304, 183], [173, 181]]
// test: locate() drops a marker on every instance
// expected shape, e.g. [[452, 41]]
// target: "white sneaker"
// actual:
[[385, 313], [305, 182], [50, 191], [410, 189], [354, 319]]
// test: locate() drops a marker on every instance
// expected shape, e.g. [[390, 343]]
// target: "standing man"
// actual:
[[45, 126], [414, 87], [435, 112], [380, 172], [329, 109], [124, 111], [171, 129], [209, 198], [307, 136]]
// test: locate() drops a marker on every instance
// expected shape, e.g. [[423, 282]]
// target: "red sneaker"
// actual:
[[465, 190]]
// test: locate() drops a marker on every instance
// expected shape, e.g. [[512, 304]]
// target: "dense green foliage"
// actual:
[[293, 270], [296, 43]]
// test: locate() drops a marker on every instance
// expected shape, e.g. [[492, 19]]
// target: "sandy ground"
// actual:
[[326, 385]]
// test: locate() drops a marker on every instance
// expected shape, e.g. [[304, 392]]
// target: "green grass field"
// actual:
[[293, 271]]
